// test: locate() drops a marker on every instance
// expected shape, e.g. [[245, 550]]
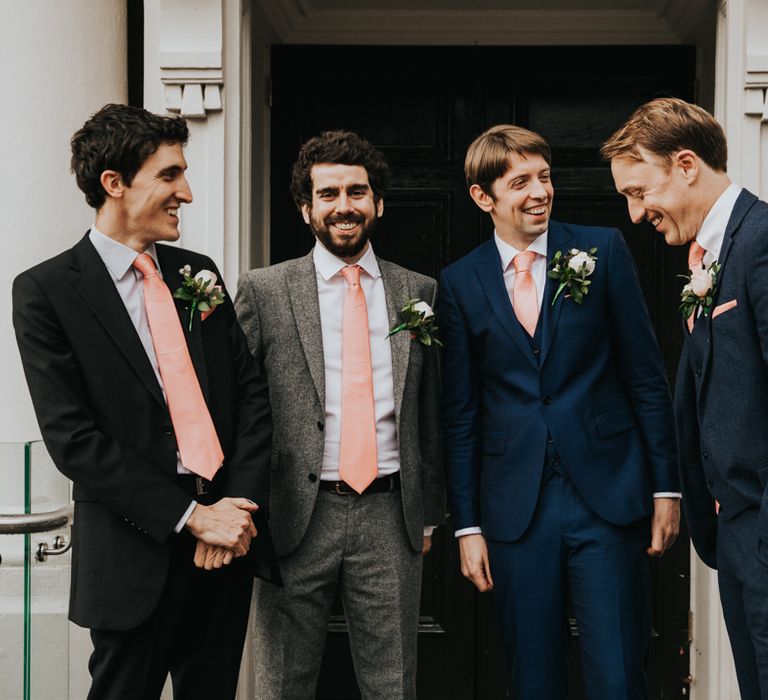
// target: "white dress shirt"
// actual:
[[538, 268], [331, 289], [129, 282], [710, 236]]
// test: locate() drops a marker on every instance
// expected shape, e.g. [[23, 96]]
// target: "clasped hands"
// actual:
[[223, 531]]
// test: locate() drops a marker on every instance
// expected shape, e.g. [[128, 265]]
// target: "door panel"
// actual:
[[422, 106]]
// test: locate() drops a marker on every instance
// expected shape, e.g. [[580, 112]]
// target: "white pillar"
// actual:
[[60, 62], [741, 79]]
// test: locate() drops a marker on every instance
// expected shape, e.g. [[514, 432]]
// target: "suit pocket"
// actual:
[[722, 308], [494, 442], [615, 422]]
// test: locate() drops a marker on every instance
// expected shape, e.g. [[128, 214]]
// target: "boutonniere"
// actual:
[[699, 290], [419, 319], [571, 270], [201, 290]]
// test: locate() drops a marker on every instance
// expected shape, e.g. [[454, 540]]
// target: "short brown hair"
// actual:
[[667, 125], [488, 155]]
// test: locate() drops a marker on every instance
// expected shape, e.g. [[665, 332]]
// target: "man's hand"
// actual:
[[474, 561], [208, 556], [227, 523], [427, 544], [664, 526]]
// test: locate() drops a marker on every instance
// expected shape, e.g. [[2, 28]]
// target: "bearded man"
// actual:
[[357, 483]]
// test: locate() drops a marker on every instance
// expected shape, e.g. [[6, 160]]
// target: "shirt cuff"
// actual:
[[667, 494], [477, 530], [428, 530], [185, 517]]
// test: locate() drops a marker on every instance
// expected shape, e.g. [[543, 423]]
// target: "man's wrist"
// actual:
[[474, 530], [183, 520]]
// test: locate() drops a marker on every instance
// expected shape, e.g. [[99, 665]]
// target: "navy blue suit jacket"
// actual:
[[596, 385], [721, 393]]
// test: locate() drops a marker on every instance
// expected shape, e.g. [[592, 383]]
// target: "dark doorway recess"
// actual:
[[423, 106]]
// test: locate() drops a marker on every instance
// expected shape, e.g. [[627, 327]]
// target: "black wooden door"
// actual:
[[423, 106]]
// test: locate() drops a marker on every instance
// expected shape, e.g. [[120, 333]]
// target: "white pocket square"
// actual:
[[722, 308]]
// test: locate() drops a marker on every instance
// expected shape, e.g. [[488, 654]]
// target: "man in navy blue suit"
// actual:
[[559, 441], [669, 160]]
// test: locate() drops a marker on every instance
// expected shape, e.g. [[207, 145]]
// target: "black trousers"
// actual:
[[196, 634]]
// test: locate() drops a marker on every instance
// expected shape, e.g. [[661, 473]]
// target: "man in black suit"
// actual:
[[670, 160], [161, 532]]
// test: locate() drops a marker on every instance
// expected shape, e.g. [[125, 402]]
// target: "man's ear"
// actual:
[[112, 182], [305, 212], [688, 163], [379, 207], [482, 198]]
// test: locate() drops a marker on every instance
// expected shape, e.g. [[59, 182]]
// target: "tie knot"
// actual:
[[695, 256], [523, 261], [144, 264], [351, 273]]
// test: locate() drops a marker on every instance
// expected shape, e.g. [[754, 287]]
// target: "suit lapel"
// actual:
[[169, 266], [744, 203], [491, 277], [93, 283], [557, 239], [301, 281], [397, 293]]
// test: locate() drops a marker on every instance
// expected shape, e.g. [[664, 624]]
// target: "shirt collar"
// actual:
[[508, 252], [712, 232], [117, 257], [328, 265]]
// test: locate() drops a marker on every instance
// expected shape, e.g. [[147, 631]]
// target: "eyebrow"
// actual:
[[171, 170], [336, 190]]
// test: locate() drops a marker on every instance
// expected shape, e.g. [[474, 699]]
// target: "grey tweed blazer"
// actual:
[[279, 311]]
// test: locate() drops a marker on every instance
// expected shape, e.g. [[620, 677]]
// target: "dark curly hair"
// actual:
[[120, 138], [342, 147]]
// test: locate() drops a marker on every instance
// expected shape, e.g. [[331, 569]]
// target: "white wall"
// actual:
[[60, 62]]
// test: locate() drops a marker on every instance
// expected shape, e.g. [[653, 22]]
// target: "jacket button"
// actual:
[[320, 425], [547, 400], [549, 440], [312, 477], [536, 351], [554, 461], [167, 430], [705, 455]]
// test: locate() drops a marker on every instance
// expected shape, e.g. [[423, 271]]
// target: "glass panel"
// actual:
[[48, 588], [34, 644], [12, 574]]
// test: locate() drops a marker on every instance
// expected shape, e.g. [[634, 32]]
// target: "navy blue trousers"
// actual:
[[604, 567], [742, 572]]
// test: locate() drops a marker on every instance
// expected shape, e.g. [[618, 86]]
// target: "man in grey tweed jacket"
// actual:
[[329, 537]]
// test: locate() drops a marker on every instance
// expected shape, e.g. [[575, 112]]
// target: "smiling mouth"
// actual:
[[539, 210], [173, 212], [655, 221]]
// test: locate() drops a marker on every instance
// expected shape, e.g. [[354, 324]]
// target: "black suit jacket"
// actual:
[[106, 425], [721, 395]]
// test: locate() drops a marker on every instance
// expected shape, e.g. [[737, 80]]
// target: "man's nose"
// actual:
[[344, 203], [184, 193], [538, 191], [636, 212]]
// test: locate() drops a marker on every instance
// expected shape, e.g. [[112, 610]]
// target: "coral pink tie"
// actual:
[[196, 437], [358, 461], [695, 256], [524, 297]]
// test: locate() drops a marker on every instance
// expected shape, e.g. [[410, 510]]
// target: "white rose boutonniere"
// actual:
[[201, 290], [699, 290], [419, 319], [571, 271]]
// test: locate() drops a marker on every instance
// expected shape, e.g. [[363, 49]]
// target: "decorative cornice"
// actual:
[[190, 56]]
